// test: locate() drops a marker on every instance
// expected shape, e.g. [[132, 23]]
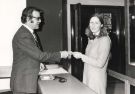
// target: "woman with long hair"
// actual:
[[96, 56]]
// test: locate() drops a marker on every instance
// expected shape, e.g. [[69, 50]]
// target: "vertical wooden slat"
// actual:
[[127, 87]]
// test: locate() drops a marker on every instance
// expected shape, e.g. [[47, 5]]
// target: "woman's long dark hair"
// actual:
[[103, 31]]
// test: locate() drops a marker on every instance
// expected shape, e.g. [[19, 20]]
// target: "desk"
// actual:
[[5, 73], [72, 86]]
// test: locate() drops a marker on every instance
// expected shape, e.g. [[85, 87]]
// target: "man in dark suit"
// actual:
[[27, 55]]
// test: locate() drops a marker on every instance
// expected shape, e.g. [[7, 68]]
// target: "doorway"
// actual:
[[114, 21]]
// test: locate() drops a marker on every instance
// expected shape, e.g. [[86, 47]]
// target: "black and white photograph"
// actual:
[[67, 47]]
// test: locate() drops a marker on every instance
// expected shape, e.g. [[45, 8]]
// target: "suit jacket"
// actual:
[[26, 61]]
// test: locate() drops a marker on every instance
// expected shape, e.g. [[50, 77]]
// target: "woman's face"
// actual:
[[95, 25]]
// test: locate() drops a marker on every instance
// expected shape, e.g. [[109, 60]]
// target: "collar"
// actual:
[[32, 31]]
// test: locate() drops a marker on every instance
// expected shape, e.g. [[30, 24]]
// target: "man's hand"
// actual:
[[64, 54], [42, 67]]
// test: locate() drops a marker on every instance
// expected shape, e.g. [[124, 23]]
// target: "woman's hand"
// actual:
[[77, 55]]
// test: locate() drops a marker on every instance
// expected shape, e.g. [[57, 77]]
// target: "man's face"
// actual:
[[35, 21]]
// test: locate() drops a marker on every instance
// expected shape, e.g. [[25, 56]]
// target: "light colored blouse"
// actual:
[[95, 63]]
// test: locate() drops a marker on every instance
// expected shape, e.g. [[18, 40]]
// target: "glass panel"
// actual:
[[108, 21], [132, 29]]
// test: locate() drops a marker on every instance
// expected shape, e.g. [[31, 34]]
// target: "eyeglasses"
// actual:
[[37, 18]]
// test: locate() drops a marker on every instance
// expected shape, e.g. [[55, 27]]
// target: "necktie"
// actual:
[[35, 37], [36, 40]]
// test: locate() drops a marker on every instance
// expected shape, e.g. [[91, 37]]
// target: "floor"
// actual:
[[7, 92], [115, 88]]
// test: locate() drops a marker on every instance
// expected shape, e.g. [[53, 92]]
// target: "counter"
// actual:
[[71, 86]]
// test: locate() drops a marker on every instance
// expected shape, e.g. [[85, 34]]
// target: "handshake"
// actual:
[[67, 54]]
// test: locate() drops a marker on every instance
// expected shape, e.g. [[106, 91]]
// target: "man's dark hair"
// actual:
[[27, 12]]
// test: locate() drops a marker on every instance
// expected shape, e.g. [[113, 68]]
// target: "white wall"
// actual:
[[10, 13]]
